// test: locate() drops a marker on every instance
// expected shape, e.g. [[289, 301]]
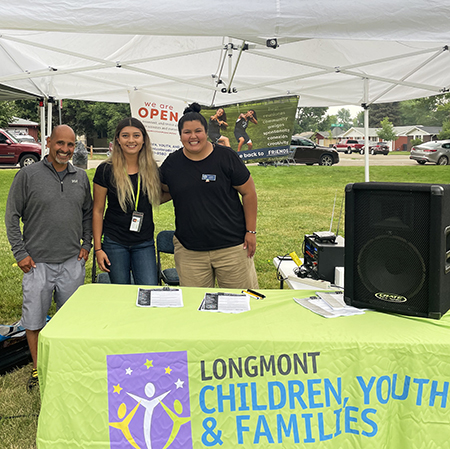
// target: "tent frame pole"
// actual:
[[42, 114], [366, 130]]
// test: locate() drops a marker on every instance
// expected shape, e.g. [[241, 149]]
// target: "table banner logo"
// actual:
[[148, 401]]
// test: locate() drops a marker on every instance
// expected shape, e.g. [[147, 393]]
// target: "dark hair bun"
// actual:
[[193, 107]]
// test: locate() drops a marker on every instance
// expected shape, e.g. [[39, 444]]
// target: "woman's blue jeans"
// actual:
[[139, 259]]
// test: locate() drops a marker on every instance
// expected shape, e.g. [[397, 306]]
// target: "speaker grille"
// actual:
[[391, 248], [391, 265]]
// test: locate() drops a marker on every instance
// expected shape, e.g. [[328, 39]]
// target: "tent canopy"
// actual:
[[9, 93], [329, 53]]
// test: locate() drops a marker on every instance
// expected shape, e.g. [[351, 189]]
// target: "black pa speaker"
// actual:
[[397, 247]]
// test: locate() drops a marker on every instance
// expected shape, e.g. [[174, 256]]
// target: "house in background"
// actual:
[[22, 127], [324, 138], [407, 133], [308, 134], [404, 135], [357, 133]]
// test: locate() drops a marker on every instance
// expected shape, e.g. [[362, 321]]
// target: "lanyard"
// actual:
[[136, 197]]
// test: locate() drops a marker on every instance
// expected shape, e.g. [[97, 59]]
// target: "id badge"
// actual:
[[136, 221]]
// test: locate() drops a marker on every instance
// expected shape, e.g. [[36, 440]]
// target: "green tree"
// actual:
[[416, 141], [428, 111], [94, 118], [27, 109], [6, 113], [386, 132], [445, 133], [327, 121], [309, 119], [79, 116], [358, 121], [344, 118], [443, 111], [87, 118], [107, 115], [377, 112]]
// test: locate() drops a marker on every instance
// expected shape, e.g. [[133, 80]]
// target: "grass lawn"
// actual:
[[98, 157], [292, 201]]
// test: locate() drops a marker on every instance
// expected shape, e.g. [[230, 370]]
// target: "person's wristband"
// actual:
[[251, 232], [95, 250]]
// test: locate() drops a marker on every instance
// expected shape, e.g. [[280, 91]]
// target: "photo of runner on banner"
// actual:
[[258, 129]]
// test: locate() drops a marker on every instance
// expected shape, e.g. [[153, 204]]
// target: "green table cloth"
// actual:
[[114, 375]]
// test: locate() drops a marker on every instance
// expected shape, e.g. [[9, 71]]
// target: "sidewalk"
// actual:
[[94, 163], [90, 164]]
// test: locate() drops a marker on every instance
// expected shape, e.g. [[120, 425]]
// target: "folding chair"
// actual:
[[103, 276], [100, 278], [290, 158], [164, 244]]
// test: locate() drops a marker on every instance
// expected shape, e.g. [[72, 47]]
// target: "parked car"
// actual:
[[361, 142], [379, 148], [349, 146], [305, 151], [436, 152], [13, 152]]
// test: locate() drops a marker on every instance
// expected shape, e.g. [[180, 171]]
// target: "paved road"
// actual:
[[91, 164], [346, 160], [378, 159]]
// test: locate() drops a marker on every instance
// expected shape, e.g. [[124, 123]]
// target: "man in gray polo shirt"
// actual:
[[53, 200]]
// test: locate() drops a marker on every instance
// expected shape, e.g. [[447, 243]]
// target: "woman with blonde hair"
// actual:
[[129, 179]]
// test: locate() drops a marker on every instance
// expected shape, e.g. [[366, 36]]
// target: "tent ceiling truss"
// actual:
[[87, 66]]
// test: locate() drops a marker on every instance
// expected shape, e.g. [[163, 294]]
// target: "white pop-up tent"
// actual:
[[215, 53]]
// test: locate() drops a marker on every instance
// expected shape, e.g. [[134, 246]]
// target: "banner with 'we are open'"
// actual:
[[160, 117]]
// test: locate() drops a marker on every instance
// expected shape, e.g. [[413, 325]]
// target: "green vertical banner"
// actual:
[[258, 129]]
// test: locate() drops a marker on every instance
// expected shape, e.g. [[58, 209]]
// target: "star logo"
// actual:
[[149, 407], [149, 364]]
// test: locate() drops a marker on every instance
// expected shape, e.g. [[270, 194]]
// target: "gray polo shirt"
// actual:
[[56, 214]]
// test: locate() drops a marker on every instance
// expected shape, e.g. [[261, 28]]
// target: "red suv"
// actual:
[[349, 146], [13, 152]]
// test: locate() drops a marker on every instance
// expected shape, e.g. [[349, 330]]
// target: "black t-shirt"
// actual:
[[116, 224], [213, 130], [241, 125], [208, 210]]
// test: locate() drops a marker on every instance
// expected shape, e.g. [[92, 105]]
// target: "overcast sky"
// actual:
[[354, 110]]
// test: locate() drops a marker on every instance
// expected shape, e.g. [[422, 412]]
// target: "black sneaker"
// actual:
[[33, 381]]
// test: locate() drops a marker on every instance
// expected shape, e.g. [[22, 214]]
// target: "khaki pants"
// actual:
[[230, 266]]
